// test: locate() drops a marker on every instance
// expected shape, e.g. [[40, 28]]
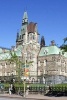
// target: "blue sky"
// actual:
[[50, 15]]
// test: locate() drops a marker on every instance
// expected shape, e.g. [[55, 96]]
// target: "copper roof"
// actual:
[[31, 27]]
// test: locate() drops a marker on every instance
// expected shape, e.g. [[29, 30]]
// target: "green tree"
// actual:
[[64, 45], [15, 59]]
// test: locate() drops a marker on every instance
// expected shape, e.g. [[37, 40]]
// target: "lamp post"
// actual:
[[25, 54], [24, 76]]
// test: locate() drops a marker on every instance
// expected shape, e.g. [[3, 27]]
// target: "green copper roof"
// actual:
[[2, 49], [6, 55], [65, 54], [23, 29], [43, 52], [24, 24], [51, 50], [19, 50], [25, 16]]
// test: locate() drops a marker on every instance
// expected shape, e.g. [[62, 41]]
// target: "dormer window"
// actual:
[[45, 51], [59, 53], [33, 37]]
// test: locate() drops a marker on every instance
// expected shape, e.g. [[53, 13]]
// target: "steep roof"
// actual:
[[25, 16], [31, 27], [6, 55], [51, 50], [3, 49]]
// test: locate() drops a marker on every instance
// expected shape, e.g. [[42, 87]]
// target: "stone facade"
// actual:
[[27, 48], [53, 68], [44, 64]]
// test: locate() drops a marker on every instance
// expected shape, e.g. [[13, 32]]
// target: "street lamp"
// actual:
[[24, 75], [25, 53]]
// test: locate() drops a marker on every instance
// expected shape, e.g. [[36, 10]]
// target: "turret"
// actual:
[[25, 18], [21, 36], [42, 43]]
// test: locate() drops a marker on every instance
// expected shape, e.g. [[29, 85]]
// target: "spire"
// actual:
[[42, 44], [25, 18]]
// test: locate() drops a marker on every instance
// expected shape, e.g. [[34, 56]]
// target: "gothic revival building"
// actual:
[[48, 63], [27, 48], [28, 39], [52, 64]]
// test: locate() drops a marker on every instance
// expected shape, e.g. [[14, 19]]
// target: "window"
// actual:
[[38, 72], [38, 63], [45, 51], [5, 65], [54, 58], [45, 62], [0, 73], [0, 66], [5, 74], [33, 36], [30, 36], [20, 36], [14, 72], [14, 65], [65, 67]]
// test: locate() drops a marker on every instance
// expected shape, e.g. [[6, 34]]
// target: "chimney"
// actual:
[[53, 43]]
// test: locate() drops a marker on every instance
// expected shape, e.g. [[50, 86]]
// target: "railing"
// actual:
[[57, 91], [54, 91]]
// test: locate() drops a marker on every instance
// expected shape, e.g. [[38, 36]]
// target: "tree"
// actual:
[[64, 45], [15, 59]]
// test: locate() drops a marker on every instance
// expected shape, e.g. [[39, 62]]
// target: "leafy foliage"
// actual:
[[14, 57], [64, 46]]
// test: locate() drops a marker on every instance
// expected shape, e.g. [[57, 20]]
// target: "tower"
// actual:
[[42, 43], [21, 35], [28, 37]]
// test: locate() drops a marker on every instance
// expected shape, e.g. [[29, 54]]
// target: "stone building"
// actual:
[[46, 64], [27, 48], [52, 65]]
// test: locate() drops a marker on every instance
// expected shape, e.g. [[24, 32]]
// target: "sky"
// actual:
[[50, 16]]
